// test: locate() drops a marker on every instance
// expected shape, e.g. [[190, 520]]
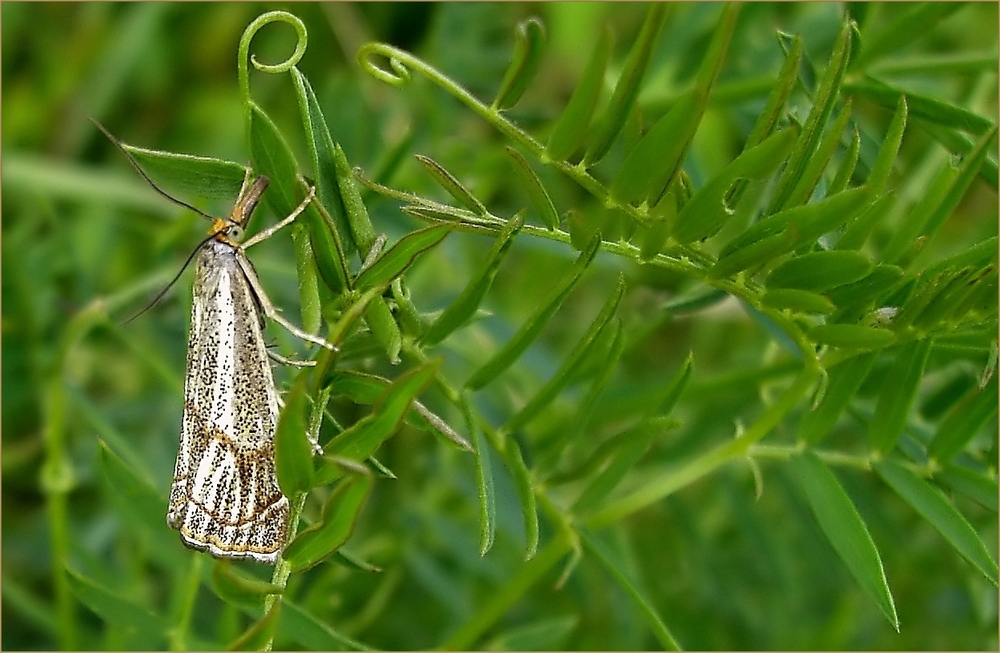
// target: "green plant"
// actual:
[[872, 366]]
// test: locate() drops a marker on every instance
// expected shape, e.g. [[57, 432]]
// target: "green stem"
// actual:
[[666, 484], [282, 569], [178, 634], [466, 637]]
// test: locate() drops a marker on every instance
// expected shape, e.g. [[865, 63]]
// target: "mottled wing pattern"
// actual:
[[225, 497]]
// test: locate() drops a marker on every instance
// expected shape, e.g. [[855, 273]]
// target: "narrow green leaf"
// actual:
[[879, 174], [857, 231], [293, 456], [964, 421], [981, 487], [876, 283], [651, 165], [527, 57], [825, 97], [609, 561], [116, 609], [897, 397], [404, 253], [800, 301], [954, 294], [271, 156], [609, 124], [529, 331], [188, 175], [752, 254], [818, 160], [570, 130], [299, 625], [357, 214], [526, 495], [844, 380], [805, 223], [308, 278], [845, 530], [654, 161], [361, 440], [819, 271], [565, 372], [900, 32], [536, 191], [708, 211], [851, 335], [238, 589], [452, 185], [384, 328], [940, 513], [484, 478], [847, 165], [921, 106], [967, 172], [259, 636], [133, 495], [323, 154], [630, 447], [340, 513], [464, 306]]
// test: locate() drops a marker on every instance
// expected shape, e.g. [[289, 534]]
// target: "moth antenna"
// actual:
[[177, 276], [138, 168]]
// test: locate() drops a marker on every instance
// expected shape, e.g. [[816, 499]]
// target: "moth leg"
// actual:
[[271, 312], [278, 358], [270, 231]]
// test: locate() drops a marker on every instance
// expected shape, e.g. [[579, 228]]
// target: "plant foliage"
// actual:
[[578, 333]]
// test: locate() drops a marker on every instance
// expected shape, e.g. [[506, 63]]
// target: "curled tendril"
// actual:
[[400, 74], [302, 40]]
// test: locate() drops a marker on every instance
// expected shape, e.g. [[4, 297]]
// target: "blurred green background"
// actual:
[[86, 243]]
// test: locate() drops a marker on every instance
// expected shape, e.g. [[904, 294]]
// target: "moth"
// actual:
[[224, 498]]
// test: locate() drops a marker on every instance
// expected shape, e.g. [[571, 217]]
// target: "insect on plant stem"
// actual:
[[225, 498]]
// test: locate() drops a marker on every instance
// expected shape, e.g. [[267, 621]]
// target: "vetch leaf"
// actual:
[[978, 486], [897, 396], [925, 107], [630, 447], [817, 162], [361, 440], [298, 624], [899, 33], [452, 185], [825, 96], [464, 306], [851, 335], [802, 224], [611, 120], [527, 57], [484, 479], [293, 456], [940, 513], [565, 372], [570, 130], [384, 328], [189, 175], [529, 331], [965, 419], [800, 301], [259, 636], [857, 231], [609, 561], [271, 156], [752, 254], [308, 278], [329, 234], [844, 380], [876, 283], [845, 530], [539, 196], [526, 495], [116, 609], [879, 174], [233, 587], [340, 513], [819, 271], [708, 211], [394, 261]]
